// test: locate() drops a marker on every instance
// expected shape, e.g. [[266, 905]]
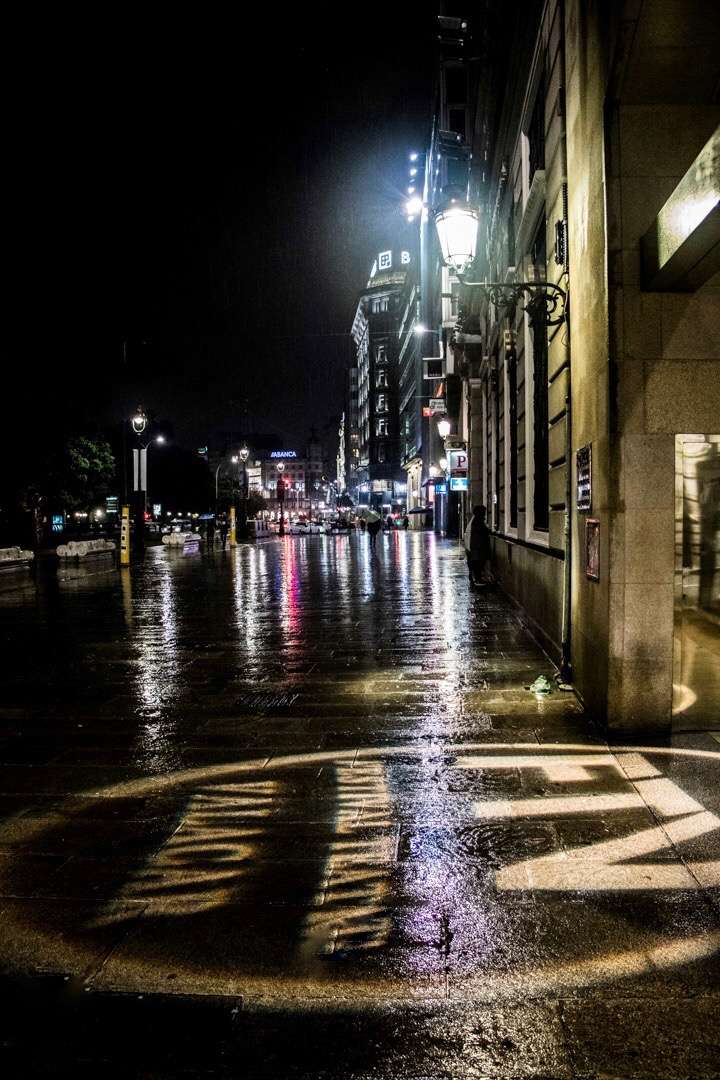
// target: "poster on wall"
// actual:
[[592, 549], [583, 470]]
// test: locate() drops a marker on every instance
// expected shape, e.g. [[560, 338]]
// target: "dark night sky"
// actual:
[[214, 195]]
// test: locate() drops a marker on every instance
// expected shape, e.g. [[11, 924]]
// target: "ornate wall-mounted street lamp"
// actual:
[[457, 226]]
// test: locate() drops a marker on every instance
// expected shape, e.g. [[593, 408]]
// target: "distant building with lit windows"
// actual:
[[374, 474]]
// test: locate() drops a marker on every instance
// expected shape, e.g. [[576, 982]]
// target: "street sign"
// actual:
[[58, 522], [111, 504], [437, 405], [433, 367], [441, 489], [457, 462], [583, 466], [458, 483]]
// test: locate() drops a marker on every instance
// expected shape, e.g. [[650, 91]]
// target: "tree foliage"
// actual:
[[254, 505], [82, 473]]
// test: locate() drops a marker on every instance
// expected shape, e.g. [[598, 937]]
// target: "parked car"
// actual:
[[305, 528]]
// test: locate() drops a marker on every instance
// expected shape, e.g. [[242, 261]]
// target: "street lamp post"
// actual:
[[243, 454], [280, 496], [139, 422]]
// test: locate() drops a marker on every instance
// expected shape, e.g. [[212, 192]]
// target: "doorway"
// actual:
[[696, 695]]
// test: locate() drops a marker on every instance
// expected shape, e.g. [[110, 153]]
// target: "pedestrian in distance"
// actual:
[[389, 523], [477, 546], [374, 524], [406, 523], [223, 526], [210, 532]]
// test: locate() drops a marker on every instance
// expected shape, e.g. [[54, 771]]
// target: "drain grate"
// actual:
[[261, 702]]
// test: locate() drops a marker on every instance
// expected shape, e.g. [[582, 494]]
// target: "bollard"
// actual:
[[125, 536]]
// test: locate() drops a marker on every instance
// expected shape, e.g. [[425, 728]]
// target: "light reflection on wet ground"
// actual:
[[307, 777]]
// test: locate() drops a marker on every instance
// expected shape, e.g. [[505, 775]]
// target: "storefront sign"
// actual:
[[583, 469], [58, 522], [458, 483], [111, 504], [283, 453]]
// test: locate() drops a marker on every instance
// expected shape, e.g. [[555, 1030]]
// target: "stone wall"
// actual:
[[664, 347], [586, 79], [535, 580]]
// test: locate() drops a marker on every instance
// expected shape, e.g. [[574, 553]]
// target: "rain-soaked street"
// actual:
[[291, 810]]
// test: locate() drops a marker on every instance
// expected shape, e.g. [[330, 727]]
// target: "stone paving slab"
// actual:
[[288, 816]]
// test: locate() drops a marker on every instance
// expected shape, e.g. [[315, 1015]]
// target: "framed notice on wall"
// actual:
[[592, 549], [583, 472]]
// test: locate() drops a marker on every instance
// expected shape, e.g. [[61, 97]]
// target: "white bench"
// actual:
[[82, 549], [15, 558]]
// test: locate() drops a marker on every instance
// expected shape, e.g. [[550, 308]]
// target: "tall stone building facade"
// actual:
[[591, 404]]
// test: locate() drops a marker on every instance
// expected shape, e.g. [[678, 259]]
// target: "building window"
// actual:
[[379, 304], [455, 85], [457, 122], [512, 419], [536, 134], [382, 453], [381, 378], [381, 427], [380, 354], [541, 491], [381, 403], [511, 236]]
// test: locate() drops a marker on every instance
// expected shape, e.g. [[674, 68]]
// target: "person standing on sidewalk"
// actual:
[[223, 527], [477, 545], [374, 524], [210, 532]]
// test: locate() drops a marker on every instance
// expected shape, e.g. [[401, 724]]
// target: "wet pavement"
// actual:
[[291, 811]]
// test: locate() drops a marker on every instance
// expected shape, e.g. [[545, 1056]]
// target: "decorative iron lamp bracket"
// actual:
[[543, 300]]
